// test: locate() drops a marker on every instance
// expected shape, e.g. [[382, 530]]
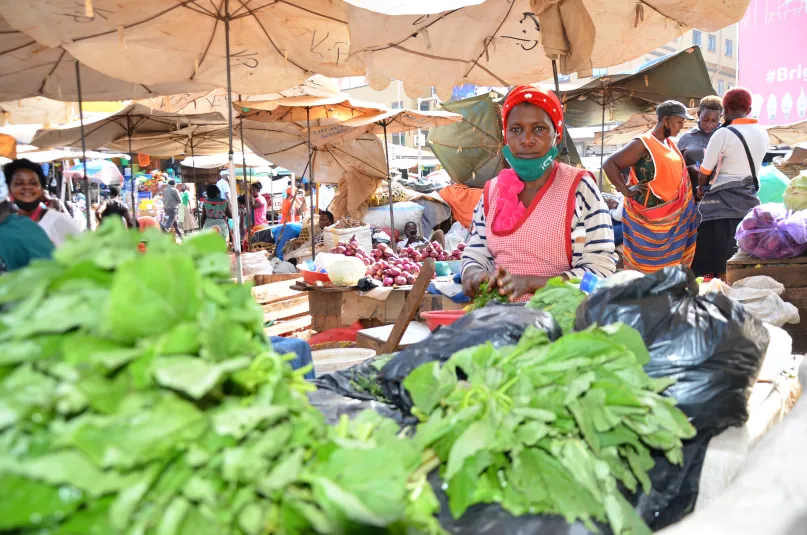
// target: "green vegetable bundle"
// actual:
[[485, 296], [139, 395], [559, 298], [549, 428]]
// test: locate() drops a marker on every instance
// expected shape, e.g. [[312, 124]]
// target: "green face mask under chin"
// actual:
[[530, 170]]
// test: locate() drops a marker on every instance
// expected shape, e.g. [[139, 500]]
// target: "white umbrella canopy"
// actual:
[[38, 110], [214, 161], [216, 101], [635, 126], [499, 43], [194, 140], [131, 120], [308, 110], [52, 155], [29, 69], [396, 121], [273, 44]]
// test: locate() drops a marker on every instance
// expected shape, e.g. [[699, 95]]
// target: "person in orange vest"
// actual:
[[297, 204]]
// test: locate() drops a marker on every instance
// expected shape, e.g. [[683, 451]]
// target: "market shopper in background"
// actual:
[[659, 220], [216, 212], [693, 144], [27, 185], [114, 208], [259, 221], [186, 214], [541, 218], [728, 182], [224, 185], [171, 204], [21, 240]]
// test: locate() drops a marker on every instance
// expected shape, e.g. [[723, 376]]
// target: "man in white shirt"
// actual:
[[224, 185]]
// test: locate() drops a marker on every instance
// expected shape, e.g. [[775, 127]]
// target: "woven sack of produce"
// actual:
[[305, 231], [346, 228], [381, 195]]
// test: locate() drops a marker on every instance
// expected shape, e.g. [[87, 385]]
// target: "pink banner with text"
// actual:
[[773, 59]]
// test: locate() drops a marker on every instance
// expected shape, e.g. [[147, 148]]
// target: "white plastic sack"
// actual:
[[280, 266], [341, 269], [456, 235], [252, 264], [331, 236], [405, 212], [760, 295]]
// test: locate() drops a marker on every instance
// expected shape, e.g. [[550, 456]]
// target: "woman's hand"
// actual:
[[472, 280], [516, 286], [635, 190]]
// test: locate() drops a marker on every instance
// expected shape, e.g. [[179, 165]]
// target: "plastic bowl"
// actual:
[[441, 317], [454, 266], [313, 277]]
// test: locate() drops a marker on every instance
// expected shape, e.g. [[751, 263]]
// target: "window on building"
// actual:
[[564, 78], [350, 82], [399, 139], [721, 87], [600, 72], [696, 37], [397, 105], [712, 43], [425, 105], [729, 48]]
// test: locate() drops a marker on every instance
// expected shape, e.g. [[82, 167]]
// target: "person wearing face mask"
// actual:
[[659, 220], [26, 183], [540, 218], [693, 144], [21, 240]]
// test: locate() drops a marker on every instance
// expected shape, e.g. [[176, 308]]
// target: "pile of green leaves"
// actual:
[[560, 298], [485, 295], [549, 427], [138, 394]]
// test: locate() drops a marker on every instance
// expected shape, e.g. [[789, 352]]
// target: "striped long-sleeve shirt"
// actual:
[[592, 236]]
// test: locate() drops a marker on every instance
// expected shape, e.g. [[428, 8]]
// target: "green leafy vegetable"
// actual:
[[139, 394], [549, 427], [560, 298], [485, 296]]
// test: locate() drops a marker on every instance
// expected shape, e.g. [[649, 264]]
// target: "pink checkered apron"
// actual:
[[541, 244]]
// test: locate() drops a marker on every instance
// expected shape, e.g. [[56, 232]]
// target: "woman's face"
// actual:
[[708, 120], [530, 133], [25, 186], [674, 123]]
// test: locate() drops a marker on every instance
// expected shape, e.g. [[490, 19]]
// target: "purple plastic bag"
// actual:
[[772, 232]]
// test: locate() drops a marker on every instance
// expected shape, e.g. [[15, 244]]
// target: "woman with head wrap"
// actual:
[[659, 221], [540, 218], [216, 212], [728, 182]]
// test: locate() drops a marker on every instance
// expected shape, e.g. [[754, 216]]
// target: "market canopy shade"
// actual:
[[131, 120], [29, 69], [193, 140], [680, 76], [309, 110], [214, 161], [635, 126], [274, 44], [53, 155], [38, 110], [789, 134], [99, 172], [499, 43], [396, 121], [216, 101]]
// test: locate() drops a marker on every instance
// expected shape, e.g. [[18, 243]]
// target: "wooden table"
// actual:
[[792, 273]]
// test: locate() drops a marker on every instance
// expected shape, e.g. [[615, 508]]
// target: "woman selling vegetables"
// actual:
[[540, 218]]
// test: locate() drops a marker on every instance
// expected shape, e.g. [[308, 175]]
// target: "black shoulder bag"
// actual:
[[748, 155]]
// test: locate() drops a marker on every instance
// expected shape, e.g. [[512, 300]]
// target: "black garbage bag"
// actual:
[[357, 382], [500, 324], [709, 344], [333, 406]]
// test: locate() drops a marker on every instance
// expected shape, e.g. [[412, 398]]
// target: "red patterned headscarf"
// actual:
[[546, 100]]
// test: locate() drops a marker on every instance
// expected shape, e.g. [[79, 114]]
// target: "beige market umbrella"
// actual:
[[29, 69], [396, 121], [120, 126], [635, 126], [216, 101], [37, 110], [789, 134], [500, 43]]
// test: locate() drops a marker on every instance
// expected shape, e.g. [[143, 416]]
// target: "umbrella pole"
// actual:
[[272, 197], [131, 169], [389, 184], [196, 185], [239, 274], [564, 149], [248, 194], [311, 182], [602, 138], [87, 204]]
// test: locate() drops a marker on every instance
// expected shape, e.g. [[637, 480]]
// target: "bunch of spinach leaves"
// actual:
[[559, 298], [549, 427], [485, 295], [138, 394]]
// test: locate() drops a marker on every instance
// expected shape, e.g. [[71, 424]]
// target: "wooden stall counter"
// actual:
[[285, 310], [342, 306], [791, 273]]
